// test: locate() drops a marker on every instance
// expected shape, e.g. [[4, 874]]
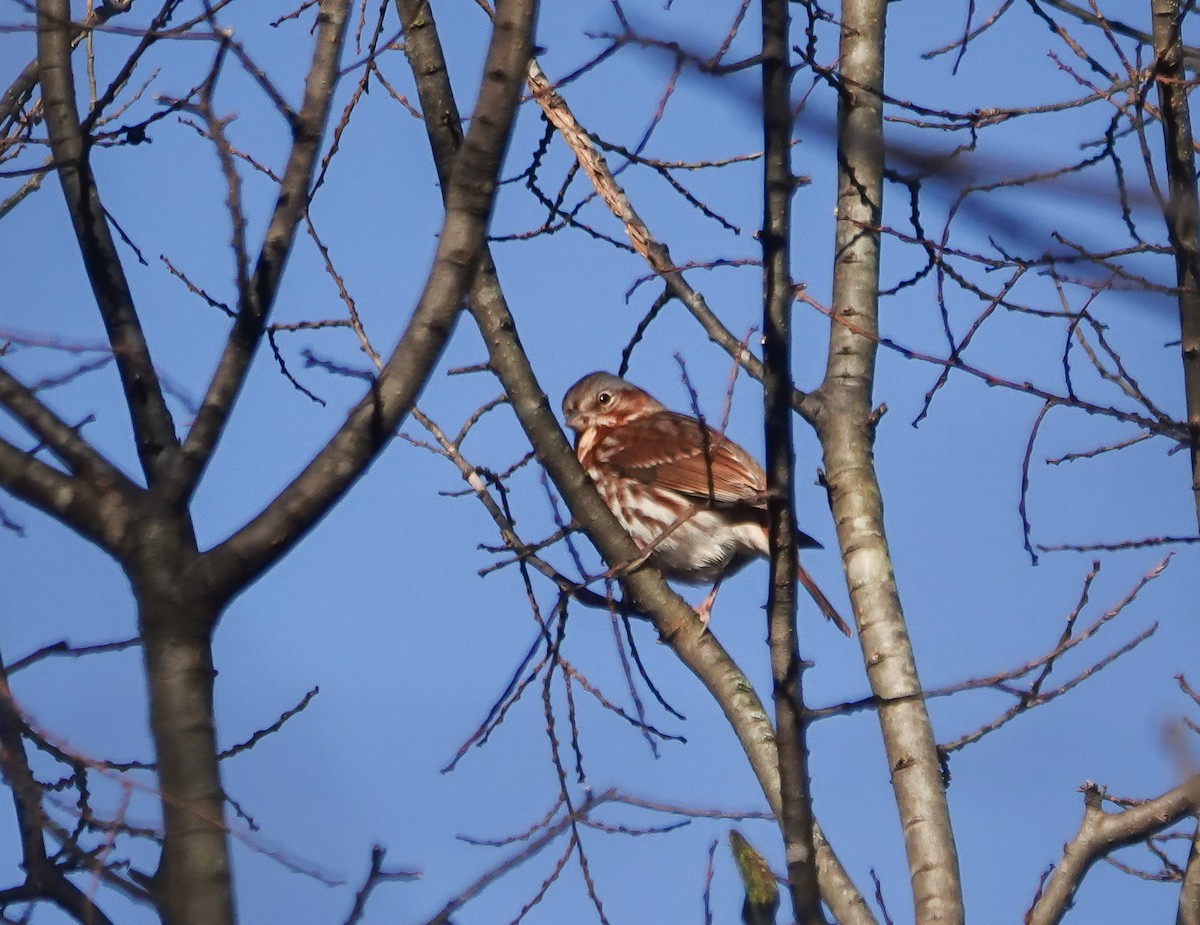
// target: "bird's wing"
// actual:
[[669, 451], [678, 453]]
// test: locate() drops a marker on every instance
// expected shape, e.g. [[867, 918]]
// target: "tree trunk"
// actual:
[[194, 884]]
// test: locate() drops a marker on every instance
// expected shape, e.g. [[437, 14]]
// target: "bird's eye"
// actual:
[[604, 398]]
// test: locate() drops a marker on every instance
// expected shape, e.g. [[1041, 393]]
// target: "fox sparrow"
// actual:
[[687, 493]]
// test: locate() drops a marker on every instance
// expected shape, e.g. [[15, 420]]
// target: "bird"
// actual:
[[691, 499]]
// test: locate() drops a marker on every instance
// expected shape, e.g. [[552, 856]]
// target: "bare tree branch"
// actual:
[[1101, 833], [21, 89], [376, 875], [153, 427], [65, 649], [62, 497], [61, 439], [845, 424], [44, 877], [1190, 54], [791, 725]]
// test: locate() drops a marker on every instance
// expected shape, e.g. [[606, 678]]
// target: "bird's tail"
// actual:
[[821, 600]]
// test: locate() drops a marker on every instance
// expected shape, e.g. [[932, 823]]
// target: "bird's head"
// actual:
[[605, 400]]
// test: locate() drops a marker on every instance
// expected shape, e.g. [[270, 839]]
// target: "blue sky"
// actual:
[[382, 606]]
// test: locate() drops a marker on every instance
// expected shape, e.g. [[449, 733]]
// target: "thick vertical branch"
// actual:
[[796, 814], [1182, 209], [153, 428], [845, 426]]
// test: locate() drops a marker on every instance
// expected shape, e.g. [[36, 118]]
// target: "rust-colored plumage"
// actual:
[[681, 489]]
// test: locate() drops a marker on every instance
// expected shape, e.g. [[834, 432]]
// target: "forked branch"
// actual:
[[1101, 833]]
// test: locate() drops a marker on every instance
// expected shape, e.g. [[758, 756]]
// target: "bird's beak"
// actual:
[[574, 420]]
